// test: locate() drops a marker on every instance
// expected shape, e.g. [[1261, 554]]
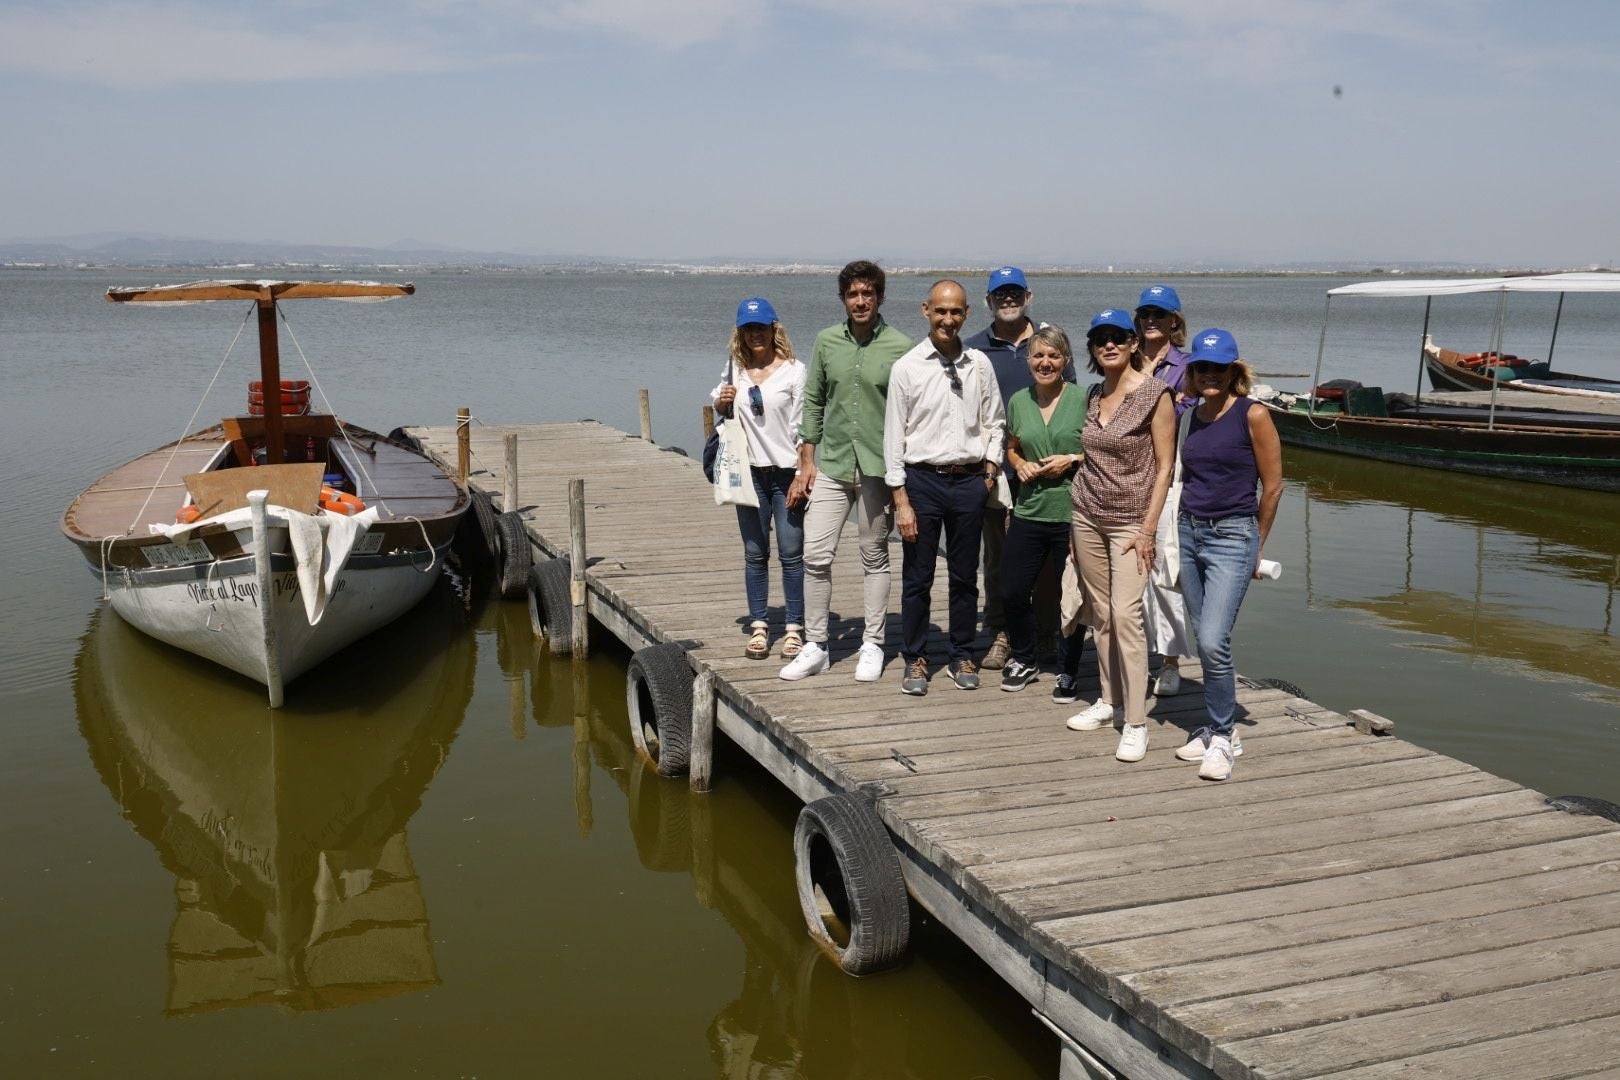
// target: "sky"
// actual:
[[1048, 132]]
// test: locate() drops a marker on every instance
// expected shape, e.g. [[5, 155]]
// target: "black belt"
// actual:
[[949, 470]]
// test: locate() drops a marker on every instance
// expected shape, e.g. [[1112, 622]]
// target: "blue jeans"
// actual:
[[952, 503], [1217, 564], [771, 485]]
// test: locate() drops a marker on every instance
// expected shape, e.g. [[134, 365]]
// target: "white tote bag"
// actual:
[[733, 480], [1166, 572]]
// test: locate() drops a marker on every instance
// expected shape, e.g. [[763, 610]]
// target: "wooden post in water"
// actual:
[[646, 416], [509, 490], [700, 762], [576, 563], [463, 444], [708, 422]]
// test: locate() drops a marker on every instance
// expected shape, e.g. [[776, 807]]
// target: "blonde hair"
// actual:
[[739, 351], [1242, 379]]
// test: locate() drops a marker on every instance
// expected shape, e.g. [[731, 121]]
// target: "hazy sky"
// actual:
[[1068, 131]]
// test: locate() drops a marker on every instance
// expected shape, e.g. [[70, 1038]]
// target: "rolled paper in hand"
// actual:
[[1270, 570]]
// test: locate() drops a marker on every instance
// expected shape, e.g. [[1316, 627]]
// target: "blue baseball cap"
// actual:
[[755, 309], [1213, 346], [1007, 275], [1118, 318], [1160, 296]]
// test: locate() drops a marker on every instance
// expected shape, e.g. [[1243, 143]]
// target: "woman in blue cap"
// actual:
[[1161, 333], [1129, 446], [763, 390], [1231, 449]]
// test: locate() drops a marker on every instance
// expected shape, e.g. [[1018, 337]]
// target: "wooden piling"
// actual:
[[509, 489], [576, 562], [700, 763], [646, 416], [463, 443]]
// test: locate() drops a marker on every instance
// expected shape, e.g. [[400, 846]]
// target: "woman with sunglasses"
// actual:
[[1043, 447], [1231, 449], [1128, 445], [763, 390], [1161, 334]]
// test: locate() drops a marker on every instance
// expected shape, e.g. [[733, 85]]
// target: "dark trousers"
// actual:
[[954, 502], [1029, 544]]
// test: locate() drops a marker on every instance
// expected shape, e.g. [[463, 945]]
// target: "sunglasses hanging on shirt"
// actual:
[[950, 370], [756, 401]]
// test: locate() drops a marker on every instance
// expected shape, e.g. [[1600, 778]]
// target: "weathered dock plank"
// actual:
[[1346, 905]]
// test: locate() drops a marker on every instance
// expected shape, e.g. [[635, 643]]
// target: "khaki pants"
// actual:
[[830, 502], [1113, 588]]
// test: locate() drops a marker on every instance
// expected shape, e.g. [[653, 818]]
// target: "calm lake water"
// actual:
[[444, 857]]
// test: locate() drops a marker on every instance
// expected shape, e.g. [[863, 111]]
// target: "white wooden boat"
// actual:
[[268, 542]]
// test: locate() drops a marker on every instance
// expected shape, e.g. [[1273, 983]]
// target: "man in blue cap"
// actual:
[[1006, 343]]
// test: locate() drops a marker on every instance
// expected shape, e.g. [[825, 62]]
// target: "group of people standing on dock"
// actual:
[[1149, 493]]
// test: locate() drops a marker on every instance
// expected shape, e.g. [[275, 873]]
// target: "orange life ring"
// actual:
[[188, 513], [1473, 360], [340, 502]]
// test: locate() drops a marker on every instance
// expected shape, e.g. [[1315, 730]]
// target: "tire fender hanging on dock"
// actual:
[[550, 610], [850, 885], [658, 690], [516, 557]]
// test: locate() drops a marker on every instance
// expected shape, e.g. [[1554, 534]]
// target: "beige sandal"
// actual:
[[759, 644], [792, 642]]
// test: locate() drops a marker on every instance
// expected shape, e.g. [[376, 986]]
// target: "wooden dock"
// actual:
[[1347, 905]]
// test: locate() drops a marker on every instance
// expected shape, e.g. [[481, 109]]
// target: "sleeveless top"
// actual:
[[1219, 475], [1115, 481]]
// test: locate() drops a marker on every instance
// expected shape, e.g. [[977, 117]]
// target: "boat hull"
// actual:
[[1588, 460], [1447, 374], [214, 610]]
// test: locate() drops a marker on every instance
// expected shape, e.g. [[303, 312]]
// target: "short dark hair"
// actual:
[[862, 270]]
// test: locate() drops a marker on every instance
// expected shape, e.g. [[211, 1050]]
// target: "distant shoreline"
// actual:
[[240, 270]]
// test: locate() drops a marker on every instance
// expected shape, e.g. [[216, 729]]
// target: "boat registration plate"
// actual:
[[194, 551], [369, 544]]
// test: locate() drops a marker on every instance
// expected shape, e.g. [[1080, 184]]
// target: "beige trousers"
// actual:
[[830, 503], [1113, 589]]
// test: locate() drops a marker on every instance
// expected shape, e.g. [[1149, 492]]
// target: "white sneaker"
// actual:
[[1132, 743], [812, 660], [1168, 684], [1098, 714], [1198, 742], [1217, 763], [869, 665]]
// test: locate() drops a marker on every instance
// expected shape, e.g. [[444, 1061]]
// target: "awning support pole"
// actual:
[[1428, 302], [1554, 343], [1321, 346]]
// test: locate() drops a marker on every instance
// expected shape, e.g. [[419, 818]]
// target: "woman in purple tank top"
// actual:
[[1231, 449]]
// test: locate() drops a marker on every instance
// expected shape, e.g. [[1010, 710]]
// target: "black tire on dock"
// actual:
[[850, 886], [1284, 685], [551, 611], [516, 557], [483, 520], [658, 689]]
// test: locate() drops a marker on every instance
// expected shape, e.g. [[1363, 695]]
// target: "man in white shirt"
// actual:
[[943, 434]]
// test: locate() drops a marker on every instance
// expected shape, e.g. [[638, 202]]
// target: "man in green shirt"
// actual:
[[841, 465]]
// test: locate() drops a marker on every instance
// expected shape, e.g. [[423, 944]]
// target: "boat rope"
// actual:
[[1316, 379], [187, 429], [343, 430], [433, 556], [208, 587], [105, 544]]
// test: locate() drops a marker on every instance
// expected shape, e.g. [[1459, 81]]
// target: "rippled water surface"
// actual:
[[444, 857]]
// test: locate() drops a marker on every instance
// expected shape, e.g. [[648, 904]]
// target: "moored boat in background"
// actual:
[[1542, 445], [1450, 370], [268, 542]]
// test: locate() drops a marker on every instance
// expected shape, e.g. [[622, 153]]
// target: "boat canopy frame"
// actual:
[[1429, 288]]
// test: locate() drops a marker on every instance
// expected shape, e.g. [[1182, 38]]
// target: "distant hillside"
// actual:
[[108, 249]]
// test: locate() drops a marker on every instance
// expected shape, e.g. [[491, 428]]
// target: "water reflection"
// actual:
[[285, 830], [1517, 572]]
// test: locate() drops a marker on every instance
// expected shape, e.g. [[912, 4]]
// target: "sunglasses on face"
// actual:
[[1151, 314], [756, 401], [1204, 367], [1109, 337]]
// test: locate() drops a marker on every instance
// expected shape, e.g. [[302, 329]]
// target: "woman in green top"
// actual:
[[1043, 447]]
